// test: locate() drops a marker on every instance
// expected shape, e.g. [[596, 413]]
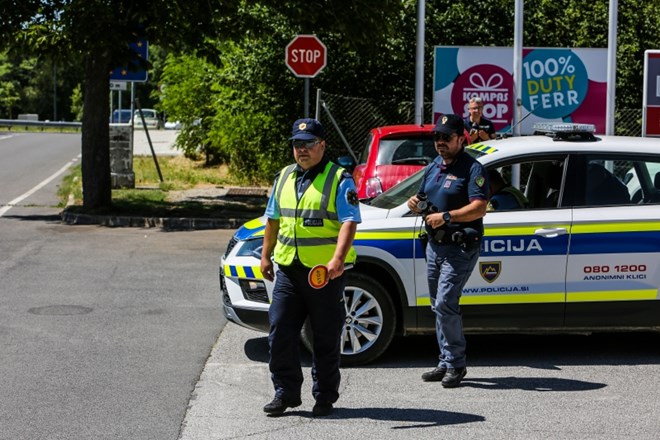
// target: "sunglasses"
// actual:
[[443, 137], [305, 144]]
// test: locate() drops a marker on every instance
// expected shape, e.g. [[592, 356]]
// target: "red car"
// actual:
[[392, 153]]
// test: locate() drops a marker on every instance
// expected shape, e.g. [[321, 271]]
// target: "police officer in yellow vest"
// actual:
[[312, 215]]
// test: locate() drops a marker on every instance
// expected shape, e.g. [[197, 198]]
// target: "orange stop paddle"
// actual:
[[318, 276]]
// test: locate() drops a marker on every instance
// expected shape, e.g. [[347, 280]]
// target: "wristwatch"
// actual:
[[446, 217]]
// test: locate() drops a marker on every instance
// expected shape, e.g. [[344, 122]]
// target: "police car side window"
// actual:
[[602, 185], [620, 180], [539, 182], [641, 175]]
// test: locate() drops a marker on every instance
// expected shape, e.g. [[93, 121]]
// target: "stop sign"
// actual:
[[305, 56]]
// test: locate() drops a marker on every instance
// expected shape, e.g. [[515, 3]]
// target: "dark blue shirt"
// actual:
[[484, 124], [456, 185]]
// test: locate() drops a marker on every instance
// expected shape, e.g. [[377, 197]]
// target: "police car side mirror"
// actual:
[[346, 162]]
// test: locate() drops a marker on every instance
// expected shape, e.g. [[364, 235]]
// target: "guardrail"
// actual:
[[43, 125]]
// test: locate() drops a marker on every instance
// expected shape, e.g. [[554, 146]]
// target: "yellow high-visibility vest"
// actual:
[[309, 227]]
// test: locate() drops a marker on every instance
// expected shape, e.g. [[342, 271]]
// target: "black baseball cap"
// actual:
[[449, 124]]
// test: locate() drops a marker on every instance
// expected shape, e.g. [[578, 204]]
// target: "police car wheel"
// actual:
[[370, 321]]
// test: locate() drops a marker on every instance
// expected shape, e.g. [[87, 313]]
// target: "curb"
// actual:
[[168, 223]]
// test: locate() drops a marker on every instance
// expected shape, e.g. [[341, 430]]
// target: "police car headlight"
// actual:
[[251, 248]]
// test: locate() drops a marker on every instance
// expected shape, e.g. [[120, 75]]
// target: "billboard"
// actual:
[[651, 104], [558, 85]]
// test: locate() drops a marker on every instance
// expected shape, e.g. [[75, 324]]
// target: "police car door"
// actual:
[[519, 280], [613, 275]]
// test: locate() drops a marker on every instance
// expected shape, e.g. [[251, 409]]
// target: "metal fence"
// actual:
[[354, 118], [26, 124]]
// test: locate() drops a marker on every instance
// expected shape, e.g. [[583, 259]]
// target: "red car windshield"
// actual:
[[418, 150]]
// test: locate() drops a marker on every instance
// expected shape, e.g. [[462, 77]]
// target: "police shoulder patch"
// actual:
[[480, 181], [352, 198]]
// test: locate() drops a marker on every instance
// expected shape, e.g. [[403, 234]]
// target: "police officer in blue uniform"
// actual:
[[312, 216], [452, 199]]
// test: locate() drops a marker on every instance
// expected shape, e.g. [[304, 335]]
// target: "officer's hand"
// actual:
[[412, 204], [267, 269], [435, 220], [335, 268]]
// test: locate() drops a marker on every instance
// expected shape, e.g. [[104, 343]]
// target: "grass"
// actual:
[[178, 173], [150, 198]]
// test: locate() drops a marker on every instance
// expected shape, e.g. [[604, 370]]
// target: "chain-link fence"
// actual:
[[628, 122], [356, 116]]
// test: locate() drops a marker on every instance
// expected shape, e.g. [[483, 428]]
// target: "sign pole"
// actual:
[[306, 106], [611, 67]]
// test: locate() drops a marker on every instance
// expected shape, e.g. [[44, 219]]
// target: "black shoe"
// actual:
[[434, 375], [453, 377], [322, 409], [278, 405]]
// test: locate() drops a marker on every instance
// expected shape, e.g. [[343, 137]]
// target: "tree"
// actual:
[[98, 33], [9, 95], [246, 99]]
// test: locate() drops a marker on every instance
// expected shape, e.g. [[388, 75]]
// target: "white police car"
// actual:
[[584, 256]]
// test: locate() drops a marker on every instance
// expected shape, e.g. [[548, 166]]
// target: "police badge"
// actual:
[[490, 270], [352, 198]]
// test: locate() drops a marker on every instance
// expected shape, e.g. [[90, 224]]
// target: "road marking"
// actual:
[[22, 197]]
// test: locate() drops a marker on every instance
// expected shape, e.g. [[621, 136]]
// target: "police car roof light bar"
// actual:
[[562, 131], [558, 127]]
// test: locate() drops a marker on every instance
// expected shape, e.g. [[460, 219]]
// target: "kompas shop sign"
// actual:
[[558, 85]]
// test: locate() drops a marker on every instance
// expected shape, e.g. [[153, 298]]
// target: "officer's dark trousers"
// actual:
[[293, 300], [448, 269]]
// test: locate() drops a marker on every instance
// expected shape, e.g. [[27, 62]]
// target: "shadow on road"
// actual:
[[531, 384], [424, 418], [46, 218], [546, 352]]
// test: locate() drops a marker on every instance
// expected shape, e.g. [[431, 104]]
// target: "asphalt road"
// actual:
[[103, 331], [28, 160], [525, 387]]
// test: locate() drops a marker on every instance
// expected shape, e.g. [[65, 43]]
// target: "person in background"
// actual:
[[456, 186], [478, 127], [312, 215], [503, 195]]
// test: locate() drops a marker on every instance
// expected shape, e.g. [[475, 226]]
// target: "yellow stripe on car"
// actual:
[[252, 272], [586, 228], [385, 235], [493, 231], [487, 149], [613, 295], [529, 298]]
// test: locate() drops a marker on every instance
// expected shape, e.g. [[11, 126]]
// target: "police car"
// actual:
[[583, 257]]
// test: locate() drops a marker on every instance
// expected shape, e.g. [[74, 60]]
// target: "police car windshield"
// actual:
[[403, 190]]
